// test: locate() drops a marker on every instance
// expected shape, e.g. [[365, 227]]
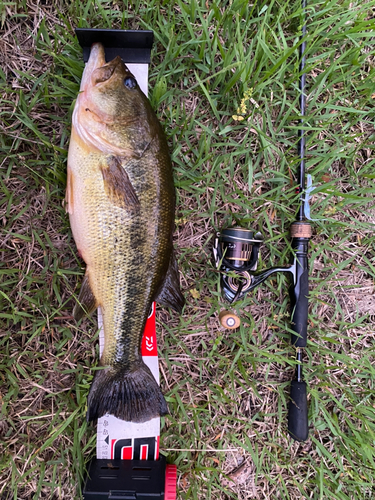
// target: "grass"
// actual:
[[227, 391]]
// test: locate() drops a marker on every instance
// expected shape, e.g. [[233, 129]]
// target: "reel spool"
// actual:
[[236, 249]]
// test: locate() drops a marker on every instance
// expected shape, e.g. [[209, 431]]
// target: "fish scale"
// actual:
[[121, 200]]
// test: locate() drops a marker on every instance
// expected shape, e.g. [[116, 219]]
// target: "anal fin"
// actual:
[[86, 301], [170, 294]]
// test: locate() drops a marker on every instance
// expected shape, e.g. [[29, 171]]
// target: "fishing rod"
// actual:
[[301, 233], [236, 253]]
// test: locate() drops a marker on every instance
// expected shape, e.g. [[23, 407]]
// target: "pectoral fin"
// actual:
[[86, 301], [117, 185], [170, 294]]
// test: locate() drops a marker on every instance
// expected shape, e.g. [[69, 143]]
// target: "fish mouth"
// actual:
[[96, 60], [105, 73], [97, 70]]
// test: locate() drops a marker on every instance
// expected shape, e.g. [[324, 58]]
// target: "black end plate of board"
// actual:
[[125, 479], [133, 46]]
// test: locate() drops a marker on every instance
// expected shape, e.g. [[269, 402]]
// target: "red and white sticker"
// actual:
[[129, 440]]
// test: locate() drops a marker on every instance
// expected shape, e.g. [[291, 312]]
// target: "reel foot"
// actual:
[[229, 320]]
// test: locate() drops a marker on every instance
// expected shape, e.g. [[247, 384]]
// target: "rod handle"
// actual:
[[299, 292], [298, 425], [300, 308]]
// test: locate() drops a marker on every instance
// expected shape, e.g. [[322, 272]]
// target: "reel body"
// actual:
[[236, 253]]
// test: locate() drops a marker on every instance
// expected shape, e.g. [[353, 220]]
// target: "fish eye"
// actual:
[[130, 82]]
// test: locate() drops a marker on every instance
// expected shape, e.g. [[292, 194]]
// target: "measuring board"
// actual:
[[117, 439], [127, 463]]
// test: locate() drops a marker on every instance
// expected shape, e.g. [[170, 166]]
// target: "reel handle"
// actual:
[[298, 425]]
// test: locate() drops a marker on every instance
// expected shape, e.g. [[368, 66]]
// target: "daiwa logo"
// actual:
[[149, 343], [149, 336]]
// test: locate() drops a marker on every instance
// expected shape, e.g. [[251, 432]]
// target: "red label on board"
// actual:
[[149, 347], [144, 451], [146, 448]]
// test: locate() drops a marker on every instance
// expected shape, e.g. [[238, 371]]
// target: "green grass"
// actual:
[[227, 391]]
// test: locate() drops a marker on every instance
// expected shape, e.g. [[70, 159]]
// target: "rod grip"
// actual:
[[298, 425], [299, 292]]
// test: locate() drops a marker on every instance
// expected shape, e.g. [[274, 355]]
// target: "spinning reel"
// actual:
[[236, 249], [236, 253]]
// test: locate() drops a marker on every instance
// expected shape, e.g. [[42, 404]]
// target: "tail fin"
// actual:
[[132, 395]]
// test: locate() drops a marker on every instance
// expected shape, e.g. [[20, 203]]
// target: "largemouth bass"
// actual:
[[120, 198]]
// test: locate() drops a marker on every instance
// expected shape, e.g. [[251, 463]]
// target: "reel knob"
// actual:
[[229, 320]]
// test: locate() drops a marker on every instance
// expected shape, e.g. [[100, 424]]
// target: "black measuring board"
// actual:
[[132, 46]]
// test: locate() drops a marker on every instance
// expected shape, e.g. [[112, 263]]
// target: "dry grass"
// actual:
[[227, 391]]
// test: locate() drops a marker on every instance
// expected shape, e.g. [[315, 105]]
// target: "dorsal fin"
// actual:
[[170, 294]]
